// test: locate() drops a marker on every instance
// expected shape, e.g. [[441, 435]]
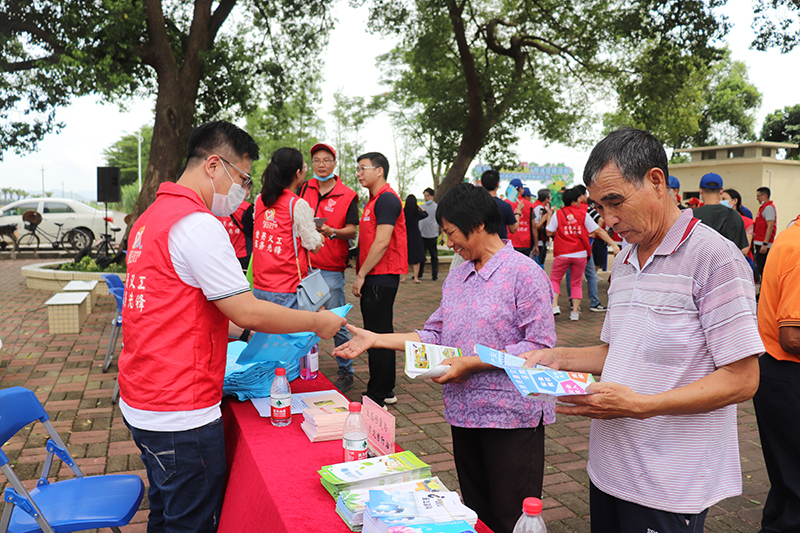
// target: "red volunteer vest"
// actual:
[[274, 265], [761, 224], [571, 235], [174, 340], [234, 233], [522, 237], [747, 223], [395, 260], [334, 205]]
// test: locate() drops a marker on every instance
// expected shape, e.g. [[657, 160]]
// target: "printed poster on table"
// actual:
[[540, 382]]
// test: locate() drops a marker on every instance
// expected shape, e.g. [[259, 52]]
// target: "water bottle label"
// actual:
[[313, 361], [280, 408], [354, 450]]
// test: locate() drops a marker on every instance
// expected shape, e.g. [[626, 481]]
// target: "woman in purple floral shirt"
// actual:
[[501, 299]]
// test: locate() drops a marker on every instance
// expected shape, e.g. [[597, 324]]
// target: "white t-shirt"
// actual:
[[588, 223], [203, 257]]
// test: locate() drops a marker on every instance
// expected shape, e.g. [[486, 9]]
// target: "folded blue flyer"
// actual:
[[280, 347], [540, 382]]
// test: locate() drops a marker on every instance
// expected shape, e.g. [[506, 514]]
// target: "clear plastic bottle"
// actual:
[[280, 399], [309, 363], [354, 434], [531, 520]]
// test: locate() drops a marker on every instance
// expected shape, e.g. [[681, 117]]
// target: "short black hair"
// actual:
[[467, 207], [544, 194], [220, 136], [489, 180], [430, 191], [571, 196], [765, 190], [377, 159], [633, 151], [581, 189]]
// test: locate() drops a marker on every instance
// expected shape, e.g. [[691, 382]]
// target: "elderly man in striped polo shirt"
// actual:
[[680, 349]]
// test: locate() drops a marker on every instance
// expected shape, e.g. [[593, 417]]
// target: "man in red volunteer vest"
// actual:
[[337, 203], [185, 293], [764, 234], [382, 258], [234, 225], [526, 235]]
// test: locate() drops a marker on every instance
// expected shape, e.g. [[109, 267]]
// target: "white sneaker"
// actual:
[[557, 310], [574, 315]]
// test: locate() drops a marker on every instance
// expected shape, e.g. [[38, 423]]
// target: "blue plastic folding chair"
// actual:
[[117, 289], [70, 505]]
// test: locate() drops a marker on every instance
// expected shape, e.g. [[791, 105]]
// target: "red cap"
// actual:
[[355, 407], [532, 506], [323, 146], [693, 201], [280, 371]]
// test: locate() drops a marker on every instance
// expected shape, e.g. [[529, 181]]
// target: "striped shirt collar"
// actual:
[[675, 237]]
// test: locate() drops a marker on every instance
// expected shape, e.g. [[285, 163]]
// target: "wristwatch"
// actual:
[[333, 235]]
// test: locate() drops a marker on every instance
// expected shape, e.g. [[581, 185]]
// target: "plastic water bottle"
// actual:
[[531, 520], [354, 434], [309, 363], [280, 399]]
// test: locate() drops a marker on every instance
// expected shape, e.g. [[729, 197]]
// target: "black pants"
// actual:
[[542, 253], [524, 251], [760, 260], [430, 247], [377, 305], [497, 469], [612, 515], [777, 404]]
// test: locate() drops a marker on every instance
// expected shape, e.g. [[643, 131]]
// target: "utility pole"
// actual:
[[140, 138], [43, 193]]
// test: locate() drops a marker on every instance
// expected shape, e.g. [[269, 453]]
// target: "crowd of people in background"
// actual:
[[679, 348]]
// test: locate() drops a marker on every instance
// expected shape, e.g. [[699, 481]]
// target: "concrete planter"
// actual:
[[41, 278]]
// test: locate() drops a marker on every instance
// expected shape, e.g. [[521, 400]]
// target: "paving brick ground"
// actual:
[[65, 373]]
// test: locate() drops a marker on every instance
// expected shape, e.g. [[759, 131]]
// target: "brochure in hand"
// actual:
[[374, 471], [351, 503], [540, 382], [424, 360]]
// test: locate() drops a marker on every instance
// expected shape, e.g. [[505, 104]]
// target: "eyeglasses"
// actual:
[[360, 170], [247, 181], [326, 161]]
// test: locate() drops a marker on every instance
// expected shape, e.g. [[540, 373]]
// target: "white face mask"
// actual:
[[224, 205]]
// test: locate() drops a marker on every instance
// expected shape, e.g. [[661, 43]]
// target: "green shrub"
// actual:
[[88, 264]]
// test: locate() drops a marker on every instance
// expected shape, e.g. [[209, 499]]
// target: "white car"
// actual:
[[72, 214]]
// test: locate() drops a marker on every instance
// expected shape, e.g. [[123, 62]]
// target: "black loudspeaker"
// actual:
[[108, 184]]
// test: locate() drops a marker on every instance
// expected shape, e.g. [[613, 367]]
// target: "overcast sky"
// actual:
[[70, 158]]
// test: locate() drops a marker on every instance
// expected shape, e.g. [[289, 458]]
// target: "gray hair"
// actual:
[[633, 151]]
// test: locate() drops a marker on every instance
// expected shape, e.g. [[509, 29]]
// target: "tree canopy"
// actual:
[[475, 72], [777, 24], [708, 104], [198, 65], [124, 154], [783, 125]]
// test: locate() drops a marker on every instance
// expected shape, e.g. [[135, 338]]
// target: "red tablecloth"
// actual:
[[272, 481]]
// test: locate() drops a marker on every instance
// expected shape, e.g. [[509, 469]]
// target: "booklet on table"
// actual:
[[540, 382]]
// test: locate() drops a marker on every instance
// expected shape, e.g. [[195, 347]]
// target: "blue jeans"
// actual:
[[285, 299], [591, 280], [186, 470], [335, 281]]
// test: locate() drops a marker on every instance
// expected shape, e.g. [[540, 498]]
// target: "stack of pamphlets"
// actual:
[[539, 382], [351, 503], [424, 360], [391, 509], [373, 472], [324, 418], [458, 526]]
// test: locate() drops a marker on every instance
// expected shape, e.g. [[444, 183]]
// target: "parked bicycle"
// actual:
[[75, 238]]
